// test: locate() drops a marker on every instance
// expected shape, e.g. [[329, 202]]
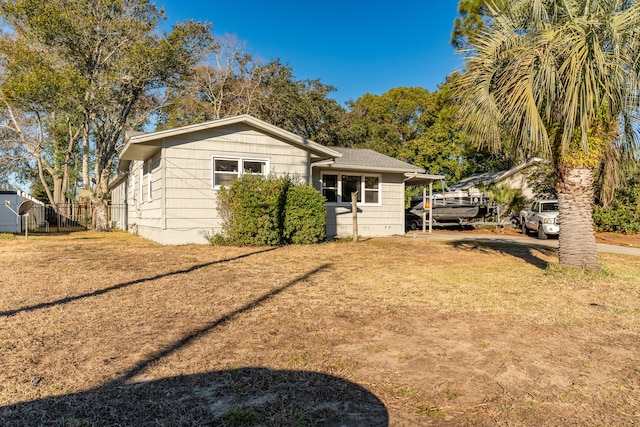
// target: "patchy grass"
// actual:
[[102, 329]]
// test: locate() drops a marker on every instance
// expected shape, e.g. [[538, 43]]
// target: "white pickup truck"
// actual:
[[541, 217]]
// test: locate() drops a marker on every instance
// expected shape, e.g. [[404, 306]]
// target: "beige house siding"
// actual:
[[119, 205], [384, 219], [519, 181], [183, 205]]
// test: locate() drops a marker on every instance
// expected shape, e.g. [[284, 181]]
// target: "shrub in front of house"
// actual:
[[252, 210], [259, 211], [305, 215]]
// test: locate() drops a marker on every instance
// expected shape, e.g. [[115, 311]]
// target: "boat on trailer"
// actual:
[[457, 206]]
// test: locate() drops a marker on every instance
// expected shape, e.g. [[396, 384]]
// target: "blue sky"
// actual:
[[359, 47]]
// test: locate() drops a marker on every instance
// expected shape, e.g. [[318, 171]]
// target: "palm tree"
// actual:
[[562, 77]]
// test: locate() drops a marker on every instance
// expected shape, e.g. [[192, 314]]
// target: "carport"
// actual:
[[425, 180]]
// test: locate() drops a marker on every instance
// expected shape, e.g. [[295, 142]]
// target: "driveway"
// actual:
[[512, 240]]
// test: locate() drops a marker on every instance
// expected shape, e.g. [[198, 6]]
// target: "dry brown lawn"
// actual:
[[110, 329]]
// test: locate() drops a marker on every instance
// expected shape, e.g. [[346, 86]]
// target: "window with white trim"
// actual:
[[133, 189], [371, 189], [337, 188], [351, 184], [149, 178], [141, 185], [330, 188], [226, 169]]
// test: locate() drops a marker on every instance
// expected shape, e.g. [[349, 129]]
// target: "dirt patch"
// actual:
[[111, 329], [629, 240]]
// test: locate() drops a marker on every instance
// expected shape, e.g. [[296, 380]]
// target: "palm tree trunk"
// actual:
[[577, 241]]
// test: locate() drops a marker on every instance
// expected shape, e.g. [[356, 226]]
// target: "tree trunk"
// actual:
[[577, 242], [100, 204], [100, 215]]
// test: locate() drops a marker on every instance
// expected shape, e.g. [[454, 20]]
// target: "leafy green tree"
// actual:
[[474, 16], [34, 121], [232, 82], [105, 65], [14, 160], [542, 181], [301, 106], [388, 123], [622, 215], [559, 75], [419, 127]]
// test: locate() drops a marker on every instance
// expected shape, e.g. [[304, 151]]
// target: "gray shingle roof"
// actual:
[[363, 157]]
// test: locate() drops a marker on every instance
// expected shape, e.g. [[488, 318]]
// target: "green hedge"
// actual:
[[259, 211], [623, 214], [617, 219], [305, 215]]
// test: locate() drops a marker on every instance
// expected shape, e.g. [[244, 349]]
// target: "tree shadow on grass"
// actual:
[[238, 397], [506, 247], [98, 292]]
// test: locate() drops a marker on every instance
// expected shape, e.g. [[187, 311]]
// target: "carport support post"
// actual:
[[424, 211], [354, 210], [430, 207]]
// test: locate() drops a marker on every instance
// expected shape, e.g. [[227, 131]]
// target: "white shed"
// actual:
[[9, 203]]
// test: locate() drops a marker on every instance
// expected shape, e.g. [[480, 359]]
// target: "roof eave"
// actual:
[[118, 179], [519, 168], [139, 151], [415, 178], [314, 148], [339, 166]]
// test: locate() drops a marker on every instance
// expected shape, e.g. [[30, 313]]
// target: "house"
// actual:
[[84, 197], [168, 180], [513, 178]]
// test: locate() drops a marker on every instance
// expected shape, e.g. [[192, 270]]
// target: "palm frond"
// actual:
[[549, 70]]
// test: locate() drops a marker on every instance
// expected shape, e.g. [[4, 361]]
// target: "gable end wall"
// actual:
[[183, 208]]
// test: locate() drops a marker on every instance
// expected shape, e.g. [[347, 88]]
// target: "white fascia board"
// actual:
[[296, 140], [367, 168], [421, 178], [520, 167]]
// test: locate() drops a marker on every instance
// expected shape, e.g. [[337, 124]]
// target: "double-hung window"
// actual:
[[149, 179], [330, 188], [338, 188], [141, 173], [351, 184], [371, 189], [225, 169], [132, 200]]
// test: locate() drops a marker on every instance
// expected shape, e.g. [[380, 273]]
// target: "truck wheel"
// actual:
[[525, 230], [541, 234]]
